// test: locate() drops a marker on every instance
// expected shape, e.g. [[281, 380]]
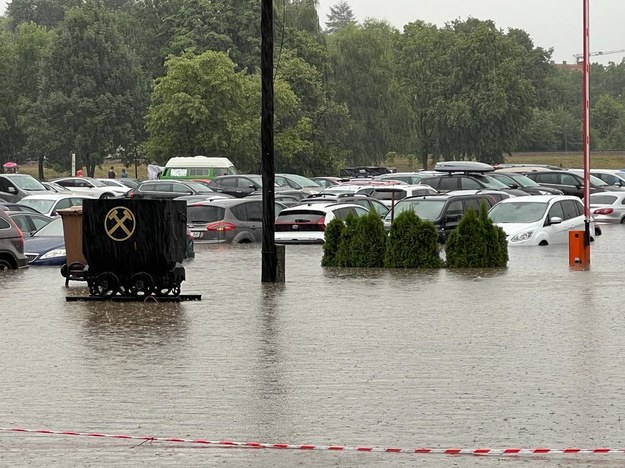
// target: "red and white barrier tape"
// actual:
[[337, 448]]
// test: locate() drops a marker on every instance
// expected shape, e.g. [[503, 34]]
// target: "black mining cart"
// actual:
[[134, 248]]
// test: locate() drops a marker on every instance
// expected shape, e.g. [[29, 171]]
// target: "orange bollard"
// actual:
[[579, 254]]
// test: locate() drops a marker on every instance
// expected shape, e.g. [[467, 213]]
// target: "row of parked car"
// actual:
[[229, 209]]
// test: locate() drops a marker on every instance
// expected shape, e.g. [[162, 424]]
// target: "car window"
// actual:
[[556, 211], [570, 209], [567, 179], [160, 187], [4, 224], [448, 183], [227, 182], [76, 201], [62, 204], [180, 188], [466, 183], [389, 194], [205, 214], [299, 216], [53, 228], [473, 204], [601, 199], [579, 207], [254, 211], [545, 178], [39, 222], [455, 208], [343, 213], [243, 182], [21, 222], [517, 212]]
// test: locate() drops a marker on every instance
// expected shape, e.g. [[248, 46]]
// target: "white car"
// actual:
[[608, 207], [49, 203], [539, 219], [305, 224], [611, 177], [91, 186]]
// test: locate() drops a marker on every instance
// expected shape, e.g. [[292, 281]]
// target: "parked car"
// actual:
[[11, 244], [370, 203], [610, 177], [444, 210], [237, 185], [540, 219], [49, 203], [608, 207], [446, 182], [91, 187], [231, 220], [326, 182], [522, 182], [47, 245], [306, 224], [393, 193], [497, 195], [14, 187], [413, 178], [121, 184], [4, 206], [29, 222], [568, 182], [55, 188], [283, 198], [168, 189], [298, 182]]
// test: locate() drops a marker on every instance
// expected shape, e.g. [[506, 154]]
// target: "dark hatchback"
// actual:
[[445, 211], [167, 189], [239, 186], [446, 182], [11, 245]]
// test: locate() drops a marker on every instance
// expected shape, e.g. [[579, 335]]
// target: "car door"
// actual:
[[452, 214], [556, 233], [571, 185], [226, 185], [573, 216], [249, 217]]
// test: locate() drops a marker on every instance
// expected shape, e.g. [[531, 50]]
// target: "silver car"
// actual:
[[608, 207]]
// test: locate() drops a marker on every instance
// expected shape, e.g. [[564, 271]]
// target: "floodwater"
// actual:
[[530, 356]]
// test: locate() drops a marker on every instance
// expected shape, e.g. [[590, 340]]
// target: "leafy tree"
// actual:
[[340, 16], [94, 90], [364, 78], [412, 243], [9, 133], [49, 13]]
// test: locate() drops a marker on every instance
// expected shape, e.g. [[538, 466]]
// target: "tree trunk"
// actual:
[[424, 159], [40, 167]]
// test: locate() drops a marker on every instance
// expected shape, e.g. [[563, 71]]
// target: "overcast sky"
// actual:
[[553, 24], [550, 23]]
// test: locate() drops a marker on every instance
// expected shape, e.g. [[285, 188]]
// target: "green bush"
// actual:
[[412, 243], [344, 254], [477, 243], [368, 242], [332, 236]]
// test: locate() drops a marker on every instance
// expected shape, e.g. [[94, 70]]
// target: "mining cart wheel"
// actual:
[[141, 284], [106, 284]]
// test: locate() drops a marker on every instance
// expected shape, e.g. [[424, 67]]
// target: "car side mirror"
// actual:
[[555, 220]]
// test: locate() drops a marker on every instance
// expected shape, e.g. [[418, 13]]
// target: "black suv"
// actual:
[[446, 182], [11, 244], [445, 211], [569, 182], [167, 189], [239, 186]]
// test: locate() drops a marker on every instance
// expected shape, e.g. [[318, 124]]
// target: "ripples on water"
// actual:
[[526, 356]]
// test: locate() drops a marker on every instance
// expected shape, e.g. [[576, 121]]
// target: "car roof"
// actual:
[[224, 202], [320, 207], [55, 196], [541, 198]]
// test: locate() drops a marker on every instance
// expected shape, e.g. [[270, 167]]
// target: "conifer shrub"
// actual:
[[344, 254], [476, 243], [412, 243], [332, 235], [368, 242]]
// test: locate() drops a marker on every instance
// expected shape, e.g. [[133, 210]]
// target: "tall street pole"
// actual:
[[269, 257], [586, 120]]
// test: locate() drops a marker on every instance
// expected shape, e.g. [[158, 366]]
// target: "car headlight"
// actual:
[[522, 236], [53, 254], [542, 192]]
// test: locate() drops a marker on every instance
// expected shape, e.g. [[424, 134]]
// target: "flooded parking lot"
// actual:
[[529, 356]]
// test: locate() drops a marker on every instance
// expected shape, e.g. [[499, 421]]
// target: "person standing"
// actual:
[[112, 174], [124, 174]]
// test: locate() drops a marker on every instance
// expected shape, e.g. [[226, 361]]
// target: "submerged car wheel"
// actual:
[[5, 265]]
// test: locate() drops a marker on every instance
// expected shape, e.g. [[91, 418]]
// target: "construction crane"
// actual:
[[580, 57]]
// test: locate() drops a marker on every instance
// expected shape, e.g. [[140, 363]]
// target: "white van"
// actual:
[[197, 167]]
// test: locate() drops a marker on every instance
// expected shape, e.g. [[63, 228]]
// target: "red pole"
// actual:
[[586, 97]]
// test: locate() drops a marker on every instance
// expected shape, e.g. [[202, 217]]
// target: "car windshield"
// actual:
[[518, 212], [26, 182], [198, 187], [300, 216], [109, 183], [597, 181], [523, 181], [42, 206], [424, 208], [205, 214], [303, 181], [96, 183], [53, 229], [491, 182], [601, 199], [258, 180]]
